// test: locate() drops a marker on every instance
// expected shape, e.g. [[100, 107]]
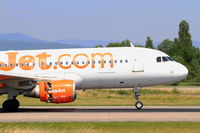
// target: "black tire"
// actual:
[[139, 105], [15, 105], [7, 106], [10, 105]]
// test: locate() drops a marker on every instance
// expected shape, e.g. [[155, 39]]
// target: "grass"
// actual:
[[173, 97], [101, 127]]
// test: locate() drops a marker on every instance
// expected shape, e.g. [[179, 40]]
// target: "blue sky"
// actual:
[[99, 19]]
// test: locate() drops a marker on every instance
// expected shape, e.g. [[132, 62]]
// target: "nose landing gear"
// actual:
[[138, 104]]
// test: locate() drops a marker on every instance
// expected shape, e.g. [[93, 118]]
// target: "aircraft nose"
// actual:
[[181, 71]]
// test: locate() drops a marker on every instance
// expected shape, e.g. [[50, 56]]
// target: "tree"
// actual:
[[166, 46], [184, 41], [117, 44], [182, 51], [124, 43], [183, 44], [184, 35], [99, 46], [141, 46], [149, 43]]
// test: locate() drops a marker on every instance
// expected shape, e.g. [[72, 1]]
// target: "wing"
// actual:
[[24, 81]]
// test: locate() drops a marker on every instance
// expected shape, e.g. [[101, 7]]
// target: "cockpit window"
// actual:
[[164, 59], [169, 58], [158, 59]]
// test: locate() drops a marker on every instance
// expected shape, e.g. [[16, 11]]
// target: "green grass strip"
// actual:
[[101, 127]]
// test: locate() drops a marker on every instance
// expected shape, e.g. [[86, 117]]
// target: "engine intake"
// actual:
[[58, 91]]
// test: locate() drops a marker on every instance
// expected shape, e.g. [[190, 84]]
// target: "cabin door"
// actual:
[[138, 66]]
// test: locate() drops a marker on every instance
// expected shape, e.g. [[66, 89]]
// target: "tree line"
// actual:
[[180, 49]]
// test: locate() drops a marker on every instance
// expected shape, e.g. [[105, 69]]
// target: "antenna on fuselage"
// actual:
[[131, 44]]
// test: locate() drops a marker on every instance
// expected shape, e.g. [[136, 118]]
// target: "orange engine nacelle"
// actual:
[[60, 91]]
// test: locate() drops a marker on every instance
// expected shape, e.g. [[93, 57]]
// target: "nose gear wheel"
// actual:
[[138, 104]]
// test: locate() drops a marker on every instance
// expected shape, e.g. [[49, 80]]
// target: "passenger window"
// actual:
[[121, 61], [158, 59], [99, 62], [55, 63], [115, 61], [83, 62], [105, 62], [66, 63], [50, 63], [164, 59], [126, 61]]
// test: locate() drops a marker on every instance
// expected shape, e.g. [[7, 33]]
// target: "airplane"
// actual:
[[55, 75]]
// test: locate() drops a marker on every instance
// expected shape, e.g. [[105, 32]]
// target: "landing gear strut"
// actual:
[[138, 104], [10, 105]]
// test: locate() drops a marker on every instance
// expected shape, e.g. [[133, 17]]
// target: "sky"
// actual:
[[99, 19]]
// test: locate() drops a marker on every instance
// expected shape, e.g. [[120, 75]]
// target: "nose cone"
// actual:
[[181, 71]]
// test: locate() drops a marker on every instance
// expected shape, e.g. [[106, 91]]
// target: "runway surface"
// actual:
[[101, 114]]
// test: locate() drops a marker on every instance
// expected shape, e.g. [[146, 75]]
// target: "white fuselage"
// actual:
[[93, 68]]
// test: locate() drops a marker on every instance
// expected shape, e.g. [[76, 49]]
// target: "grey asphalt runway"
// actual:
[[101, 114]]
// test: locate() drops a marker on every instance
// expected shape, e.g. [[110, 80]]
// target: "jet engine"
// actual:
[[58, 91]]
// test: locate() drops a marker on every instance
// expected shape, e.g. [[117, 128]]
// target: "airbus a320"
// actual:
[[53, 76]]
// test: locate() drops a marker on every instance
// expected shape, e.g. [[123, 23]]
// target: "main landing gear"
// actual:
[[138, 104], [10, 105]]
